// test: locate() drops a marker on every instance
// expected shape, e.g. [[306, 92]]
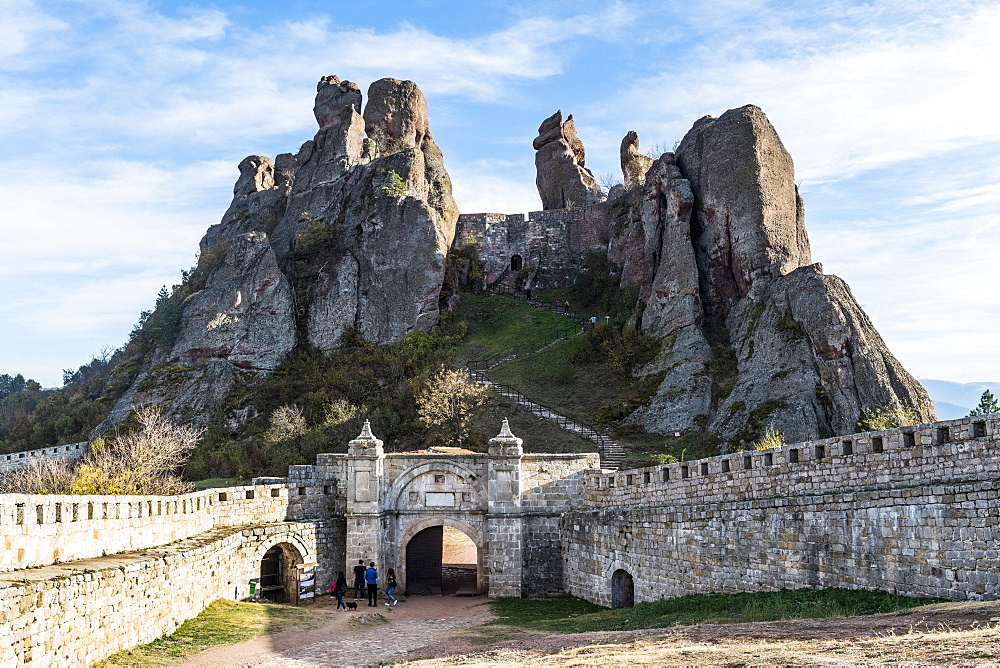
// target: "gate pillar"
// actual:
[[365, 469], [503, 516]]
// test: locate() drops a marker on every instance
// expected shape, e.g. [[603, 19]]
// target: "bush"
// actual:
[[884, 417]]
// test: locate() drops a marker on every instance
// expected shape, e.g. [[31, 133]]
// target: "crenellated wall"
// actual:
[[913, 510], [71, 452], [49, 528]]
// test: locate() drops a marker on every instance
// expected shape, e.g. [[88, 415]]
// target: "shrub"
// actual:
[[884, 417]]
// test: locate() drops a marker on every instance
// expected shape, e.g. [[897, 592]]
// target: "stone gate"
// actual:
[[507, 502]]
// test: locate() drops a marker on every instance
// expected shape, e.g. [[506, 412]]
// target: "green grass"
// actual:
[[210, 483], [539, 435], [498, 322], [568, 614], [221, 623]]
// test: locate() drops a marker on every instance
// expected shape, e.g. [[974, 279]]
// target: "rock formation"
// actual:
[[562, 178], [754, 333], [634, 164], [352, 231]]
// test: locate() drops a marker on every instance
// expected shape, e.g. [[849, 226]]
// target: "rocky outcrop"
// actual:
[[562, 178], [352, 231], [748, 222], [754, 333], [634, 164]]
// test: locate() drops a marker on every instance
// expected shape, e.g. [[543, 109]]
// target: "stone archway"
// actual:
[[277, 574], [433, 563], [622, 589]]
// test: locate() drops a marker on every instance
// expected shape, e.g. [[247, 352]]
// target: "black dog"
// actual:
[[351, 605]]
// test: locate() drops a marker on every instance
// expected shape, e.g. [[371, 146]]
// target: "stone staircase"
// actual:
[[612, 453]]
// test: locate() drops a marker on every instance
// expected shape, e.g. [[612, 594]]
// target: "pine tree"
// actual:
[[987, 405]]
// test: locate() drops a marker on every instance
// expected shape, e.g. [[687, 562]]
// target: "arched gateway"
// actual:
[[450, 520]]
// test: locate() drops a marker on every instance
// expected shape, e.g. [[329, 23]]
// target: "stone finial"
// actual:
[[366, 439], [505, 441]]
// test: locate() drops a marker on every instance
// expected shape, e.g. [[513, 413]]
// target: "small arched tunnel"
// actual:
[[622, 589], [442, 561], [516, 262], [278, 577]]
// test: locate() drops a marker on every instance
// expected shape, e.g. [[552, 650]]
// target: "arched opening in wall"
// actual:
[[442, 561], [516, 262], [622, 590], [278, 579]]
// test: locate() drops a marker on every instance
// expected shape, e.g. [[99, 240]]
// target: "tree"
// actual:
[[881, 418], [448, 402], [146, 460], [286, 422], [987, 405]]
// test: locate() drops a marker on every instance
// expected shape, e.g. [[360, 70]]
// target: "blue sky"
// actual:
[[121, 124]]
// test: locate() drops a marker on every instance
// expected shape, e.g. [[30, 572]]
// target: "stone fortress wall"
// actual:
[[551, 244], [71, 452], [914, 510]]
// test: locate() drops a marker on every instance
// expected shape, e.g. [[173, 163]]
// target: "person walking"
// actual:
[[390, 586], [371, 578], [338, 589], [359, 580]]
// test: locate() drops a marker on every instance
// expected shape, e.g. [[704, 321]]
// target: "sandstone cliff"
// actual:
[[754, 333], [560, 163], [351, 231]]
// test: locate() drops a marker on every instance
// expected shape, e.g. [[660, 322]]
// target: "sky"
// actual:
[[122, 123]]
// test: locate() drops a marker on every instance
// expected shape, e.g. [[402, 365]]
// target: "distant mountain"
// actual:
[[955, 400]]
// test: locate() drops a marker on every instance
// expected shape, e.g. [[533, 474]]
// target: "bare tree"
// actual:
[[286, 422], [42, 476], [143, 461], [609, 180], [448, 403]]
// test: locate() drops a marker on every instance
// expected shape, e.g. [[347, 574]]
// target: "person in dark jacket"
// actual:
[[359, 580], [338, 589], [371, 578]]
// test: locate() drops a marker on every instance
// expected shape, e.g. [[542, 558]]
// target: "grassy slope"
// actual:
[[498, 322], [222, 623], [567, 614]]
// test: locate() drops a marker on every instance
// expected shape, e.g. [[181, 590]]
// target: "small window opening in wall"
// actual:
[[747, 462], [704, 468], [820, 451], [725, 466], [877, 445], [847, 448], [943, 436], [275, 493], [628, 480], [645, 478], [978, 430], [768, 459], [666, 475], [249, 493], [516, 262], [438, 478], [302, 491], [685, 472], [328, 489], [909, 439], [223, 496], [793, 456]]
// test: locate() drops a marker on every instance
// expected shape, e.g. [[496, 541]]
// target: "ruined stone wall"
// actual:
[[51, 528], [75, 615], [913, 510], [551, 244], [71, 452]]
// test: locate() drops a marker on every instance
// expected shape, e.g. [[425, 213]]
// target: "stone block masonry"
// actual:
[[914, 511], [48, 528], [76, 614], [71, 452]]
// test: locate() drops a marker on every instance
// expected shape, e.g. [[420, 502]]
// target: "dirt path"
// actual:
[[962, 634], [370, 636]]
